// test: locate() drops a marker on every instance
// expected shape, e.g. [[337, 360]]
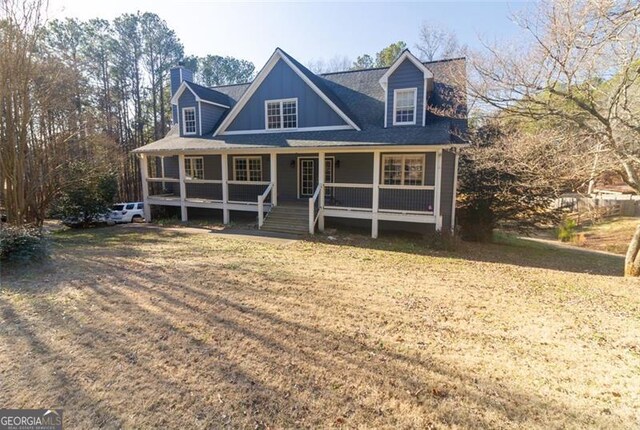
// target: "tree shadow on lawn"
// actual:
[[149, 348], [505, 250]]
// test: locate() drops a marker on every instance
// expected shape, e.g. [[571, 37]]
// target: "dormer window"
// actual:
[[281, 114], [189, 120], [404, 106]]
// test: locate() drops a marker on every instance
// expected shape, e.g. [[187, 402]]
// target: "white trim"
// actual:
[[191, 169], [235, 150], [247, 158], [402, 185], [144, 171], [424, 104], [322, 174], [183, 187], [438, 191], [200, 117], [415, 105], [184, 121], [404, 56], [203, 181], [455, 191], [312, 157], [287, 130], [375, 201], [346, 185], [273, 174], [386, 101], [277, 55], [248, 182], [280, 102], [185, 85], [224, 166]]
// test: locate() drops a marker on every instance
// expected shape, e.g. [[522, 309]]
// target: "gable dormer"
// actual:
[[406, 85], [285, 96], [197, 110]]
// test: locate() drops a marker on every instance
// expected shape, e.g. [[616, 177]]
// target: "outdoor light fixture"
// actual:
[[292, 164]]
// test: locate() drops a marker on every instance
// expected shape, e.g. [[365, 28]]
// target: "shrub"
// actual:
[[22, 244], [567, 230], [442, 241], [89, 194]]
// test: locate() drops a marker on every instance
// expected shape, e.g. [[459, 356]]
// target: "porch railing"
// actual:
[[204, 189], [261, 198], [164, 188], [418, 199], [245, 191], [348, 196], [314, 209]]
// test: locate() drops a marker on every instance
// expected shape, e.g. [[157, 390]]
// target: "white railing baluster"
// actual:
[[312, 216], [261, 199]]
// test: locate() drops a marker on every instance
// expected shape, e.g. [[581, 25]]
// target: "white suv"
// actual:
[[128, 212]]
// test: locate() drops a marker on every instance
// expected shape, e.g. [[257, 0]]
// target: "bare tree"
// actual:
[[577, 74], [337, 63], [437, 42]]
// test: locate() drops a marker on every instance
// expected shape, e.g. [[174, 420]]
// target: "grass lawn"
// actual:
[[135, 328], [611, 235]]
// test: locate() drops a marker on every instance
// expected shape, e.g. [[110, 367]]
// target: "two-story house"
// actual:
[[296, 148]]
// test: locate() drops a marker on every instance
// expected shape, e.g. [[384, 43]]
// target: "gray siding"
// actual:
[[354, 168], [281, 83], [212, 167], [171, 167], [287, 177], [448, 172], [176, 78], [407, 75], [210, 117], [187, 99]]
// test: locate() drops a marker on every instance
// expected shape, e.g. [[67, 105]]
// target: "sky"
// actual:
[[309, 31]]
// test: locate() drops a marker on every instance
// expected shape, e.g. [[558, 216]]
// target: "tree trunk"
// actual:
[[632, 261]]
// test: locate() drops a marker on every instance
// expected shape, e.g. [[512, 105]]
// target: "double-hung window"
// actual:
[[194, 167], [281, 114], [404, 106], [247, 169], [189, 120], [403, 169]]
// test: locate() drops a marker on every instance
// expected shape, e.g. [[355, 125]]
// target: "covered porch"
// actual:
[[373, 184]]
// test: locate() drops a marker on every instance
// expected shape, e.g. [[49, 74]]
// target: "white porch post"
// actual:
[[376, 194], [183, 188], [144, 169], [455, 191], [438, 190], [225, 188], [321, 177], [273, 159]]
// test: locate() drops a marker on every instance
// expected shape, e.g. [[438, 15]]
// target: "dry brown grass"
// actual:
[[150, 329], [612, 235]]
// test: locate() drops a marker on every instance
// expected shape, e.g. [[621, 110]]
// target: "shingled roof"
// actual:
[[359, 94]]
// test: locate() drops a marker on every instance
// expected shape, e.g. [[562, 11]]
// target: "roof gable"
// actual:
[[307, 76], [406, 55], [202, 94]]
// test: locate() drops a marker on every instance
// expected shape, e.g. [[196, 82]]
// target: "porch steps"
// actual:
[[292, 219]]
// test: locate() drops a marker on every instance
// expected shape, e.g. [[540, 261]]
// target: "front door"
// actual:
[[308, 175]]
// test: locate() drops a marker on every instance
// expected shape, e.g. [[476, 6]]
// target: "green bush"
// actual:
[[22, 244], [567, 230]]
